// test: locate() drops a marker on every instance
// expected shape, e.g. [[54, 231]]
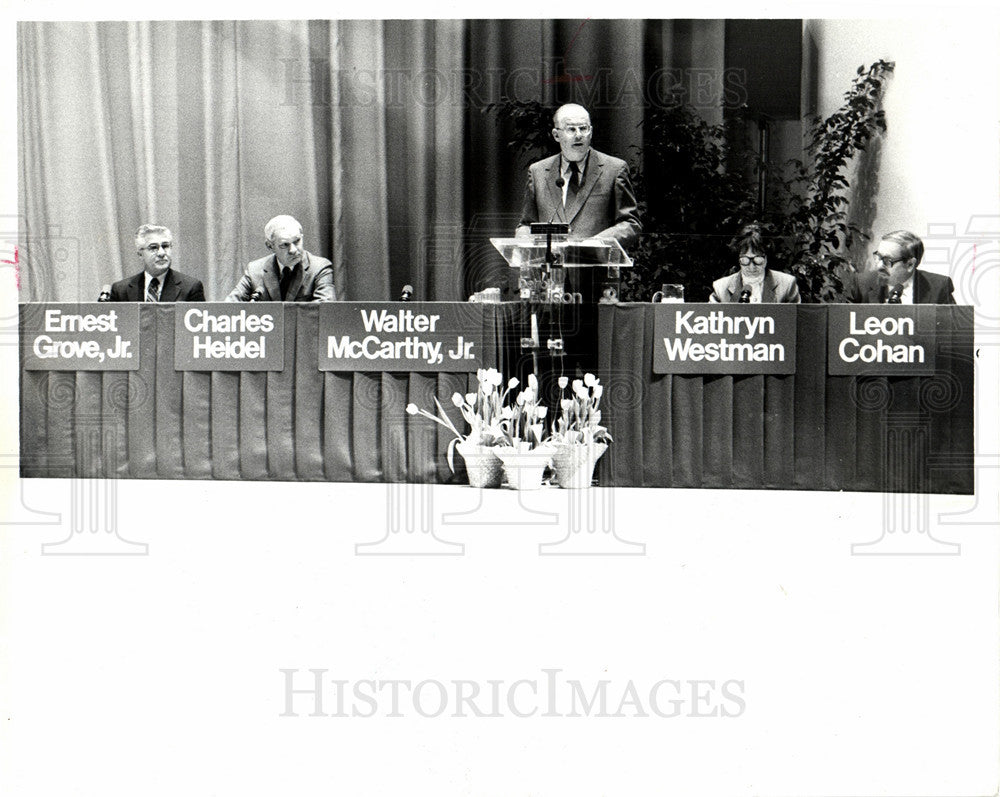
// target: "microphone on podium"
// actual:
[[895, 294], [560, 182], [406, 294], [745, 296], [257, 295], [105, 295]]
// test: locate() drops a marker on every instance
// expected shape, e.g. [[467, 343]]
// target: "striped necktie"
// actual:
[[152, 294]]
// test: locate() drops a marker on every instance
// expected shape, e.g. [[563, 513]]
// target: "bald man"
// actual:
[[588, 190]]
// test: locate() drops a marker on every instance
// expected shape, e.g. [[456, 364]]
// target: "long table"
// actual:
[[803, 431], [295, 424], [807, 430]]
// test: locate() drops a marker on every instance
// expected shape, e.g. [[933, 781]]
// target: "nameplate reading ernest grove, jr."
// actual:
[[881, 339], [400, 336], [223, 336], [90, 336], [724, 339]]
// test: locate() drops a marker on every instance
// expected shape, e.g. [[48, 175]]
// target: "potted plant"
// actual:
[[483, 411], [577, 434], [526, 452]]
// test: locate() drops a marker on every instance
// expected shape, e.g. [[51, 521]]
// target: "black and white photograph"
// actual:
[[430, 403]]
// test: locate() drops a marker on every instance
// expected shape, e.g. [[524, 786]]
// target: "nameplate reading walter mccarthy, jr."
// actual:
[[89, 336], [220, 336], [881, 339], [400, 336], [724, 339]]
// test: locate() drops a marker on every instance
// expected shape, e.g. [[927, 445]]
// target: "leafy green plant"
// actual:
[[693, 192], [812, 225], [531, 125]]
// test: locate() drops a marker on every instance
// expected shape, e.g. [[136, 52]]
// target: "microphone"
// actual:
[[895, 292], [407, 293], [257, 295], [745, 296], [105, 295], [560, 182]]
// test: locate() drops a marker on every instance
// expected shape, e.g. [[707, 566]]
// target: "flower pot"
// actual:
[[482, 464], [574, 463], [525, 467]]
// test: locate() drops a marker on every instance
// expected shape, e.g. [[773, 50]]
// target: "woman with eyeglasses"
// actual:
[[754, 283]]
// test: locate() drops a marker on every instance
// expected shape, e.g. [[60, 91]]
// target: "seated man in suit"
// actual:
[[895, 278], [157, 282], [588, 190], [290, 274]]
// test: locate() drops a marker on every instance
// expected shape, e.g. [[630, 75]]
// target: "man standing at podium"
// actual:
[[157, 282], [289, 274], [588, 190]]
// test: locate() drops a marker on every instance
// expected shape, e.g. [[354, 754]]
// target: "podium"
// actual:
[[560, 283], [548, 268]]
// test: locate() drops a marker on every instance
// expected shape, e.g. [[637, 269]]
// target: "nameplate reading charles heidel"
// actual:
[[881, 339], [91, 336], [400, 336], [724, 339], [222, 336]]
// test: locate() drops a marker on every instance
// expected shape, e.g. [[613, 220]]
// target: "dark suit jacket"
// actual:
[[312, 281], [604, 206], [777, 287], [177, 287], [868, 288]]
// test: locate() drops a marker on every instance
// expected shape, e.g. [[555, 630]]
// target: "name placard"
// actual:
[[223, 336], [724, 339], [400, 336], [880, 339], [91, 336]]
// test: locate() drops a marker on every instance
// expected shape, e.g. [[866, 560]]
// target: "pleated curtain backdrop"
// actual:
[[372, 133]]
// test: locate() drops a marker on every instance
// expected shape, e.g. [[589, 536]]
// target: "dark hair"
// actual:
[[750, 236], [912, 245]]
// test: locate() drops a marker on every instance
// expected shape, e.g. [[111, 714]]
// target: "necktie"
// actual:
[[574, 182], [152, 295], [286, 277]]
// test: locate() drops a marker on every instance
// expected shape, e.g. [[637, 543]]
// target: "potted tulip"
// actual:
[[526, 452], [483, 411], [577, 434]]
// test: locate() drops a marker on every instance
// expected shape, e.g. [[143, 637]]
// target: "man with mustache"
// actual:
[[896, 278], [157, 282]]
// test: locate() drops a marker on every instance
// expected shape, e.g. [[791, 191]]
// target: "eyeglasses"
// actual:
[[757, 260], [886, 261], [157, 247], [574, 129]]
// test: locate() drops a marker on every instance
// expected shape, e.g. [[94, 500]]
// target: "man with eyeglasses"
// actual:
[[157, 282], [588, 190], [895, 278]]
